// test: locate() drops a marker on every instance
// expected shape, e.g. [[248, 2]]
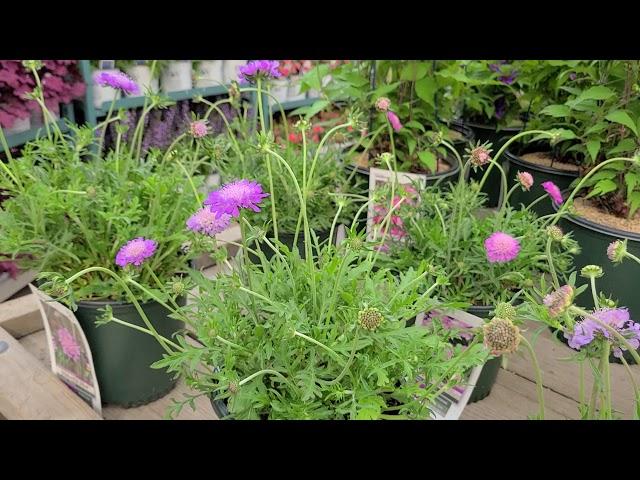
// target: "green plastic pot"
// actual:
[[489, 133], [490, 370], [122, 356], [541, 174], [620, 282]]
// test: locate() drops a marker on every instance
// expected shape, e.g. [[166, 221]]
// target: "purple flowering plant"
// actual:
[[100, 210], [344, 320]]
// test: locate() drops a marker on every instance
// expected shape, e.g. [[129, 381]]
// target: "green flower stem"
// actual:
[[415, 280], [269, 94], [636, 392], [247, 269], [591, 412], [161, 287], [552, 269], [319, 344], [539, 384], [77, 192], [610, 329], [232, 136], [439, 213], [592, 282], [509, 193], [538, 200], [581, 388], [632, 257], [359, 212], [261, 297], [335, 220], [147, 331], [307, 233], [393, 145], [129, 294], [456, 154], [230, 344], [606, 388], [262, 372], [105, 123], [139, 129], [173, 144], [188, 177], [267, 159], [592, 172], [316, 156], [240, 245], [494, 160]]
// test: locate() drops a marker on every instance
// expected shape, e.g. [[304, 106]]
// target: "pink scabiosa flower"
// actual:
[[68, 344], [135, 252], [553, 191], [559, 300], [525, 179], [207, 222], [383, 104], [117, 80], [263, 69], [236, 195], [501, 247], [616, 251], [198, 128], [394, 121]]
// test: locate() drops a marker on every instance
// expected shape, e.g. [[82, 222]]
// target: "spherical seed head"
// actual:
[[617, 250], [91, 192], [501, 336], [383, 104], [233, 388], [178, 288], [370, 318], [506, 311], [302, 125], [355, 243], [555, 233], [558, 301], [589, 271]]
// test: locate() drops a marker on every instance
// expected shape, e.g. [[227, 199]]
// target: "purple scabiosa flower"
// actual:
[[207, 222], [494, 67], [235, 195], [553, 191], [117, 80], [394, 121], [501, 247], [198, 129], [135, 252], [264, 69], [525, 179], [508, 79], [559, 300], [573, 76], [68, 344], [616, 251], [586, 330], [383, 104]]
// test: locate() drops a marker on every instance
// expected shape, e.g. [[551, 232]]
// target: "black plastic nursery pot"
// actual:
[[489, 133], [620, 282], [220, 408], [490, 370], [541, 174], [122, 355]]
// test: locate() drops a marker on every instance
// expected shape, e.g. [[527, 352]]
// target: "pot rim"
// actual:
[[113, 303], [541, 168], [597, 227], [486, 126]]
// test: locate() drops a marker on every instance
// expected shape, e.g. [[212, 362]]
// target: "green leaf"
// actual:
[[414, 124], [634, 203], [632, 180], [556, 110], [428, 159], [599, 92], [384, 90], [426, 89], [602, 187], [622, 117], [414, 71], [596, 128], [411, 142], [625, 145], [593, 147]]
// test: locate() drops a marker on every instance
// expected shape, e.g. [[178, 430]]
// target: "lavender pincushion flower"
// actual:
[[501, 247], [553, 191], [135, 252], [117, 80], [235, 195], [264, 69], [584, 332], [207, 222]]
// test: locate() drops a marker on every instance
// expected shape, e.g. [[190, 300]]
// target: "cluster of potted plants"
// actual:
[[303, 323]]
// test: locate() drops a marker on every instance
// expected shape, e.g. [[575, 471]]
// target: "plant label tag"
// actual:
[[69, 352], [449, 405]]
